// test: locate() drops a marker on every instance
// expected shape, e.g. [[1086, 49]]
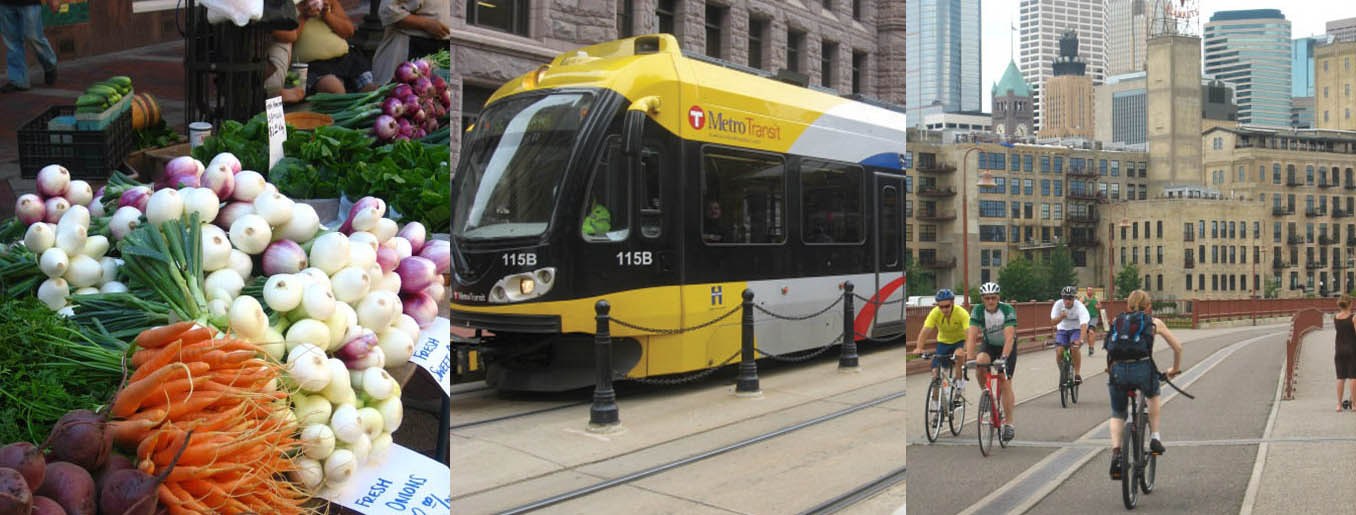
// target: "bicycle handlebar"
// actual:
[[995, 363], [1164, 378]]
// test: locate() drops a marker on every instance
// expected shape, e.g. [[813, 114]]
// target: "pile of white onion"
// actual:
[[73, 261]]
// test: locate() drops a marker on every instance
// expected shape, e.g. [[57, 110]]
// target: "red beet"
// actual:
[[25, 458], [132, 492], [79, 437], [46, 506], [114, 463], [71, 487], [15, 496]]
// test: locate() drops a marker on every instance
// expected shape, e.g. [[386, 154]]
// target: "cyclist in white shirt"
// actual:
[[1071, 325]]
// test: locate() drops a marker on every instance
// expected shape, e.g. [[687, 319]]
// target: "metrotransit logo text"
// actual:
[[718, 122]]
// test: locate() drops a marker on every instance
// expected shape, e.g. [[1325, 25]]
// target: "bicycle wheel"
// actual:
[[1073, 386], [984, 423], [1129, 484], [1064, 383], [998, 405], [1149, 462], [932, 415], [957, 418]]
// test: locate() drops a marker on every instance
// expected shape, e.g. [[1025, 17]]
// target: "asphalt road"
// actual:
[[1234, 387]]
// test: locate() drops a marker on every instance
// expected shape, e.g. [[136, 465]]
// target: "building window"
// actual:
[[828, 5], [1058, 214], [509, 16], [1045, 187], [1059, 164], [757, 28], [1026, 163], [1045, 164], [715, 18], [1045, 213], [1188, 282], [1028, 209], [1016, 162], [1101, 167], [858, 67], [991, 208], [1115, 168], [1059, 188], [1160, 282], [856, 9], [664, 15], [827, 52], [927, 232], [795, 47], [991, 233], [1160, 255]]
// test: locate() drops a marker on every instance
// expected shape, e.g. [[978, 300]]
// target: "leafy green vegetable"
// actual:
[[156, 137], [47, 367], [414, 179]]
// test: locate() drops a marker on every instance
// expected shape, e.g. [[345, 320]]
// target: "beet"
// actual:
[[79, 437], [15, 496], [70, 486], [115, 463], [46, 506], [25, 458], [132, 492]]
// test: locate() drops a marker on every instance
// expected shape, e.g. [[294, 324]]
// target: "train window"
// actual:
[[889, 227], [608, 204], [651, 212], [743, 197], [831, 206]]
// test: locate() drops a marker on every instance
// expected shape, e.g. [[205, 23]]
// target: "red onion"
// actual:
[[386, 128], [415, 233], [410, 100], [419, 306], [446, 98], [136, 196], [220, 178], [357, 348], [407, 72], [417, 116], [439, 84], [425, 69], [436, 290], [430, 125], [403, 126], [55, 207], [182, 171], [401, 91], [422, 87], [416, 273], [232, 211], [393, 107], [363, 203], [387, 259], [99, 194], [30, 209], [283, 257], [53, 181], [232, 163], [440, 253]]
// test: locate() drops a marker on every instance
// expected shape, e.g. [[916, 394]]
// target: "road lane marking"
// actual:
[[1260, 463], [1028, 488]]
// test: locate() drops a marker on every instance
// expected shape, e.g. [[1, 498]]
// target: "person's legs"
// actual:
[[1077, 358], [1351, 391], [16, 58], [329, 84], [32, 21], [1340, 383]]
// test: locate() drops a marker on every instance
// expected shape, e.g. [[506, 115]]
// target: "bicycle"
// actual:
[[1139, 465], [1068, 386], [944, 400], [990, 420]]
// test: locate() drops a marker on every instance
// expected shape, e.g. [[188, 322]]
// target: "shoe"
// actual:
[[49, 77], [1078, 379], [1346, 404], [1008, 432], [10, 88], [1156, 447], [1115, 464]]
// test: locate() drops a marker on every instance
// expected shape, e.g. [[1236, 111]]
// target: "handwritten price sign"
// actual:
[[433, 352], [407, 482], [277, 129]]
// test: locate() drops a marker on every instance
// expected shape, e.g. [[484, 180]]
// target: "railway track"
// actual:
[[512, 416], [859, 494]]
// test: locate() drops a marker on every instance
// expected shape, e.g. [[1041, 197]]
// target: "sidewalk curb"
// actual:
[[1260, 464]]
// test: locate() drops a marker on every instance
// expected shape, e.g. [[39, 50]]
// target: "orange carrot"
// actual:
[[128, 433], [161, 336], [162, 357], [134, 394]]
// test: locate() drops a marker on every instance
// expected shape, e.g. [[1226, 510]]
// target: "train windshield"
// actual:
[[516, 158]]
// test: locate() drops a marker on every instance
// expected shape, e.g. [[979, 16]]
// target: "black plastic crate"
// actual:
[[87, 154]]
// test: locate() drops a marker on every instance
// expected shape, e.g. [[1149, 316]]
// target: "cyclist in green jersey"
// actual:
[[1091, 304], [993, 326]]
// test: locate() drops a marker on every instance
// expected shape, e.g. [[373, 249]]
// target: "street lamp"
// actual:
[[985, 180]]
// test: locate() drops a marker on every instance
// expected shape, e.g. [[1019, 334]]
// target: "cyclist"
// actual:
[[1093, 319], [1133, 372], [949, 326], [993, 325], [1071, 325]]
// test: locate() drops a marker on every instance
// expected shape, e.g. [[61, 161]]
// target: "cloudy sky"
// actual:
[[1001, 14]]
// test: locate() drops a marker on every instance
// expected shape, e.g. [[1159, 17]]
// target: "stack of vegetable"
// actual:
[[102, 95], [412, 107]]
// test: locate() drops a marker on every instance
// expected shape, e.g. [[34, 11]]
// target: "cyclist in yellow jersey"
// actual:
[[949, 326]]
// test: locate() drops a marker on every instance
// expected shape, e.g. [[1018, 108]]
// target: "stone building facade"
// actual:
[[851, 46], [1013, 105], [1334, 79]]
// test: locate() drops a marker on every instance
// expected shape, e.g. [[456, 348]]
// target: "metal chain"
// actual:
[[803, 358], [798, 318], [685, 379], [878, 303], [624, 323]]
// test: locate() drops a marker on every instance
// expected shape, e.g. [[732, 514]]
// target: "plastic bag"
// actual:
[[240, 12]]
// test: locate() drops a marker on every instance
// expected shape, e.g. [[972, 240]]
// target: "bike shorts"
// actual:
[[1130, 375], [1064, 337], [996, 352], [944, 352]]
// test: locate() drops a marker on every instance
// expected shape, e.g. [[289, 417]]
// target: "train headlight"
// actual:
[[523, 286], [527, 285]]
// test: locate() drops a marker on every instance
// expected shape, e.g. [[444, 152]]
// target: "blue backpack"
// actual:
[[1131, 337]]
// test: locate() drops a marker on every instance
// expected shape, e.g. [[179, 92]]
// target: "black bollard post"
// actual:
[[746, 385], [847, 360], [603, 415]]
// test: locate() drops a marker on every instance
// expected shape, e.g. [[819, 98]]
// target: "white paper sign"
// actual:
[[433, 352], [277, 130], [407, 482]]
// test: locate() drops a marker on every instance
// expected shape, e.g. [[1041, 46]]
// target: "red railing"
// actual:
[[1300, 324]]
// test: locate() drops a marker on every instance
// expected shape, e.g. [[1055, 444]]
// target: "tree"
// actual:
[[1127, 280], [1273, 288], [973, 294], [1019, 280], [920, 282], [1060, 270]]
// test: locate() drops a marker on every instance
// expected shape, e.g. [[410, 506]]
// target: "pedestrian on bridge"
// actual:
[[1344, 353]]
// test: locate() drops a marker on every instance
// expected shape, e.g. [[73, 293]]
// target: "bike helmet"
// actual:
[[988, 288], [1068, 291], [945, 294]]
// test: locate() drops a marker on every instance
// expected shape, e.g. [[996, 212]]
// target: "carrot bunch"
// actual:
[[188, 379]]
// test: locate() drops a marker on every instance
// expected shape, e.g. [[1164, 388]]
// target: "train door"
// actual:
[[889, 266]]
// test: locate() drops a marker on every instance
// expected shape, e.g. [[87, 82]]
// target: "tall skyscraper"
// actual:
[[1068, 95], [1127, 27], [1343, 30], [943, 50], [1251, 49], [1041, 24], [1302, 64]]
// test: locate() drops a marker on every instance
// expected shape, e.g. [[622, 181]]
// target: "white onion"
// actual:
[[124, 220], [361, 256], [204, 202], [378, 310], [282, 293], [216, 249], [339, 467], [309, 473], [251, 234], [248, 185], [389, 281], [317, 301], [54, 262], [54, 208], [108, 270], [53, 181], [351, 284], [339, 323], [79, 193], [397, 345], [40, 237], [381, 447], [83, 271], [113, 287], [365, 238], [329, 252], [88, 290], [71, 238], [75, 215], [303, 224], [409, 325], [95, 246], [53, 292], [241, 263], [224, 284], [385, 229], [247, 317], [164, 205], [317, 441], [274, 207]]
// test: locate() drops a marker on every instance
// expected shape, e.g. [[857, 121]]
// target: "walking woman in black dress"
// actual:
[[1345, 352]]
